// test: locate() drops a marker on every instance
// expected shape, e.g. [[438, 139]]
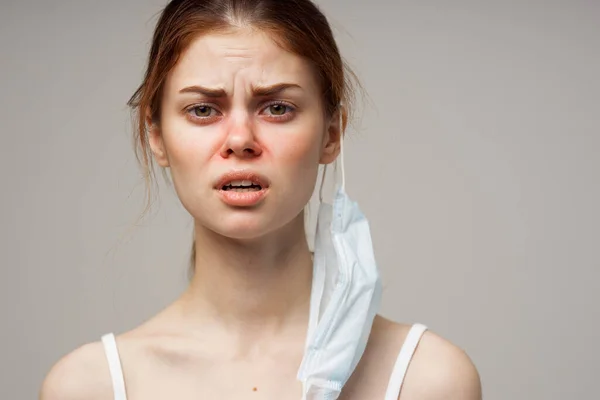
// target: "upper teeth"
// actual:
[[240, 183]]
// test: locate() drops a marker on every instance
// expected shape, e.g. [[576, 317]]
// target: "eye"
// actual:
[[202, 111], [278, 110]]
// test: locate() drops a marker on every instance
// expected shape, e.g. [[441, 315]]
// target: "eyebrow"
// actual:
[[258, 91]]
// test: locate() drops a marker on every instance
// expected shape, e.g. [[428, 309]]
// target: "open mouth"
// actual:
[[242, 186]]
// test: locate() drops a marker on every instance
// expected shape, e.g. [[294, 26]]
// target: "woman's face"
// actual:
[[238, 110]]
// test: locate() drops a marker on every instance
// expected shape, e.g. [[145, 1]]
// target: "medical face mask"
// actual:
[[345, 297]]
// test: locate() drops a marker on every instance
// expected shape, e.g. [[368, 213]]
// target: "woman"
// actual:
[[242, 101]]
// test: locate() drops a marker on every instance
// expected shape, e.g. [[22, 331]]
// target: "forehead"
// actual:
[[243, 57]]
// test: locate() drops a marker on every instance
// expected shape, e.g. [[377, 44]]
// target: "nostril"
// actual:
[[245, 151]]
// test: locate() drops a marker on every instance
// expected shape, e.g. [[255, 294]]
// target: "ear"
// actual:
[[156, 141], [333, 136]]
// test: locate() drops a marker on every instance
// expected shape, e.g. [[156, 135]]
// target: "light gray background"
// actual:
[[476, 162]]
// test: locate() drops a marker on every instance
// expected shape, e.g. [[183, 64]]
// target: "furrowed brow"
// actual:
[[261, 91], [205, 91]]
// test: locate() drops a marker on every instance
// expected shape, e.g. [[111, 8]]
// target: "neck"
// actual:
[[261, 285]]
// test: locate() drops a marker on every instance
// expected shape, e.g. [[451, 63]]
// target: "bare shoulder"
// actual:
[[438, 370], [80, 375]]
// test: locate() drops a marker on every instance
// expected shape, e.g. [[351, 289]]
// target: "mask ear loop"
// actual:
[[322, 183], [341, 159]]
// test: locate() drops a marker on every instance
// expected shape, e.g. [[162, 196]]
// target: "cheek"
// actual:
[[190, 152], [188, 148], [298, 159], [300, 142]]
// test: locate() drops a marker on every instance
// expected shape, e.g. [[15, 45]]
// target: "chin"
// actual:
[[243, 227], [251, 223]]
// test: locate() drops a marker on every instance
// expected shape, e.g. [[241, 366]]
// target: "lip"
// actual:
[[244, 175], [242, 199]]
